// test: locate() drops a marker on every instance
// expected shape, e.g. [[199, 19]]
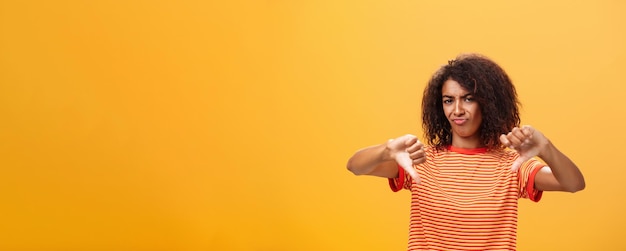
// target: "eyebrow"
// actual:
[[449, 96]]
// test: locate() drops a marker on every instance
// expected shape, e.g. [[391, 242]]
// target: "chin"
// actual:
[[466, 135]]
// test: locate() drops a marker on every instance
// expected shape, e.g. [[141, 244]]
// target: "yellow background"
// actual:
[[226, 125]]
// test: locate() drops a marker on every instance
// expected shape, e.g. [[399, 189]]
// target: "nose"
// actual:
[[458, 108]]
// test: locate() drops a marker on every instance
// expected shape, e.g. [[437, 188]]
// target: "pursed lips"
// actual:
[[459, 121]]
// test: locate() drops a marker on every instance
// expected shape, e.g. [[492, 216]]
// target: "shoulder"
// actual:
[[504, 153], [509, 156], [431, 151]]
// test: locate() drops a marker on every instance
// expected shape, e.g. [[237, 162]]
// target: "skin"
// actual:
[[464, 116]]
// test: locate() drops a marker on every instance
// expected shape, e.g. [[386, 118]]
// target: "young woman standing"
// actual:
[[464, 182]]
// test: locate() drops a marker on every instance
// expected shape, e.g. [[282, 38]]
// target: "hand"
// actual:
[[526, 141], [407, 151]]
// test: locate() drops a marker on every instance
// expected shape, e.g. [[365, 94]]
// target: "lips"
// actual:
[[459, 121]]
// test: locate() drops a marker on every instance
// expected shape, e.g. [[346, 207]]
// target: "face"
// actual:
[[463, 113]]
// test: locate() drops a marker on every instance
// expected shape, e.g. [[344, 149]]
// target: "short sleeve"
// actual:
[[403, 181], [526, 180]]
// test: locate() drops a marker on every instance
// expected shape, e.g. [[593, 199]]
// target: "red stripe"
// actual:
[[467, 199]]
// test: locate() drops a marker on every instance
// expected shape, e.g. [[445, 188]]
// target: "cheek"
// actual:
[[476, 110], [478, 117]]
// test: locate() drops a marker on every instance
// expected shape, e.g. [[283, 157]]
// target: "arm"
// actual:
[[382, 160], [560, 175], [374, 160]]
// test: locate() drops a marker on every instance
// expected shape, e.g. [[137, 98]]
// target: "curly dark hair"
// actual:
[[491, 88]]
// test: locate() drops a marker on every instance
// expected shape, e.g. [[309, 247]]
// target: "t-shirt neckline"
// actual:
[[467, 150]]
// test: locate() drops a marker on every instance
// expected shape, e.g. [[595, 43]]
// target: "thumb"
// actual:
[[405, 162], [518, 163]]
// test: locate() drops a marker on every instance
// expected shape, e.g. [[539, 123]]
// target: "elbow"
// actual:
[[350, 168], [356, 171], [580, 187], [576, 187]]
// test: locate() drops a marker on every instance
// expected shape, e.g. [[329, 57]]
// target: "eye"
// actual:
[[469, 99], [447, 101]]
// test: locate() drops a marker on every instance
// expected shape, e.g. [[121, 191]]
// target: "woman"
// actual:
[[465, 183]]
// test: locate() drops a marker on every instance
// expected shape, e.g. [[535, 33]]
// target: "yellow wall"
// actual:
[[187, 125]]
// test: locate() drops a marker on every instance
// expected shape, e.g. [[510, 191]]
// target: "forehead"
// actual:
[[453, 88]]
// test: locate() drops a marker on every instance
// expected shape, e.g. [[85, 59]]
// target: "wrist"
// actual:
[[386, 154], [547, 150]]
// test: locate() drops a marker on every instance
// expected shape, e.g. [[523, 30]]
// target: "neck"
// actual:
[[468, 143]]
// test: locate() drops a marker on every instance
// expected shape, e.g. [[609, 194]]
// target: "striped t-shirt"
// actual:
[[467, 199]]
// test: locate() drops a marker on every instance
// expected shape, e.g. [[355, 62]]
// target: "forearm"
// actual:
[[564, 170], [373, 160]]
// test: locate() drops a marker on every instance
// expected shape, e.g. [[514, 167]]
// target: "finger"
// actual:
[[513, 139], [528, 132], [518, 133], [505, 141], [519, 136], [410, 140], [399, 143], [405, 162], [524, 134], [518, 163], [417, 154], [418, 161], [416, 146]]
